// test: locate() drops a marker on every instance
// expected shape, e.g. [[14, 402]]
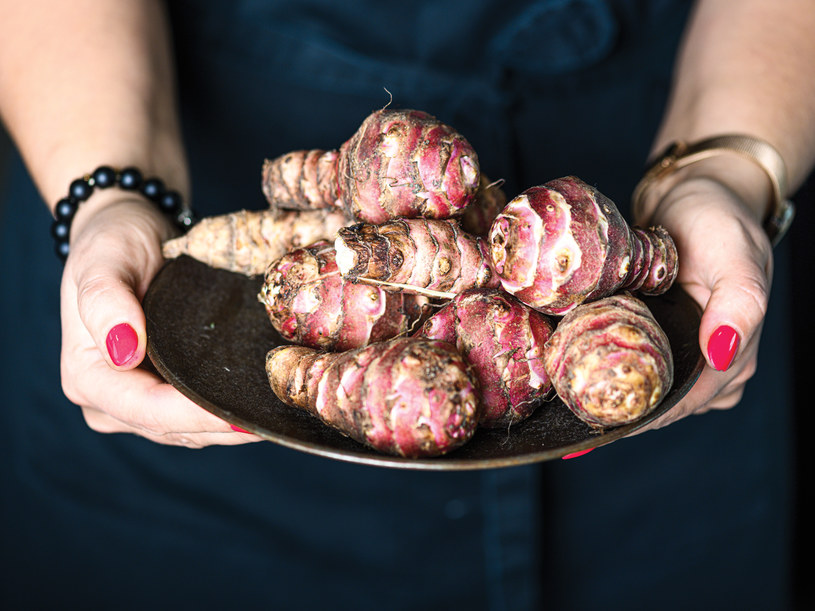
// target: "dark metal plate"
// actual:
[[208, 336]]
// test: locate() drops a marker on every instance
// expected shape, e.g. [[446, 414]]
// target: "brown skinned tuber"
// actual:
[[503, 340], [563, 243], [420, 255], [399, 163], [246, 241], [407, 397], [610, 361]]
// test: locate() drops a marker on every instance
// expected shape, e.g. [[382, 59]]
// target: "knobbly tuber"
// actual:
[[399, 163], [421, 255], [489, 200], [409, 397], [562, 243], [503, 340], [247, 241], [309, 303], [610, 361]]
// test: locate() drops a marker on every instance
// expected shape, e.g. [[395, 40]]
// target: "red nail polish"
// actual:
[[238, 429], [576, 454], [722, 347], [122, 343]]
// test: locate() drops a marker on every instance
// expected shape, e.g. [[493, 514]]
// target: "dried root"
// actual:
[[247, 241]]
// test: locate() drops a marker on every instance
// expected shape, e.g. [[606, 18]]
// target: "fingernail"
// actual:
[[722, 347], [122, 343], [576, 454], [238, 429]]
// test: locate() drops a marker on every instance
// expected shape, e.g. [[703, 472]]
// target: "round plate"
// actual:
[[208, 336]]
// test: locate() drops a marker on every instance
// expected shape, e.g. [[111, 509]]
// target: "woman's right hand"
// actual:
[[726, 267], [115, 252]]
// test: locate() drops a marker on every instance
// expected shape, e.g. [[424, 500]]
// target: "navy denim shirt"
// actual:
[[542, 89]]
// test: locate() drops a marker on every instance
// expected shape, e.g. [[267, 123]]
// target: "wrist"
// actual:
[[88, 195], [98, 208], [741, 177], [749, 168]]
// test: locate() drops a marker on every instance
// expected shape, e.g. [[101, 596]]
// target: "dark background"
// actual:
[[803, 263]]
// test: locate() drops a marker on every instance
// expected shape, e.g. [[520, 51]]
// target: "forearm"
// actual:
[[744, 68], [89, 82]]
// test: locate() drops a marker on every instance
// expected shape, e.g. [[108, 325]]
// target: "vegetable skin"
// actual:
[[301, 180], [246, 241], [489, 200], [416, 254], [563, 243], [399, 163], [503, 340], [408, 397], [309, 303], [610, 361]]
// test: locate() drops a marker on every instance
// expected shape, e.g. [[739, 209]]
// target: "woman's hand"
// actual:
[[115, 252], [725, 264]]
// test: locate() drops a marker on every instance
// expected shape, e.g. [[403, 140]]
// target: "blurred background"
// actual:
[[5, 151], [803, 264]]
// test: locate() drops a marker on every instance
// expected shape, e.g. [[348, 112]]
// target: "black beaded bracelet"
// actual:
[[129, 179]]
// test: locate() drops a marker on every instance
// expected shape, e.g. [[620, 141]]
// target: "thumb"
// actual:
[[733, 314], [113, 316], [115, 252], [124, 345]]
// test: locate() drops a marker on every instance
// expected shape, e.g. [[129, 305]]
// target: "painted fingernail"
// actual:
[[722, 347], [576, 454], [122, 343], [238, 429]]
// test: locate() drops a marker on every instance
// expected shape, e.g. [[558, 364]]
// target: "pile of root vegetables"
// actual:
[[420, 305]]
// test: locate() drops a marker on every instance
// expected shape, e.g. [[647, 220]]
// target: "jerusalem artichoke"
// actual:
[[557, 245], [421, 255], [409, 397], [310, 304], [489, 200], [399, 163], [247, 241], [610, 361], [503, 341]]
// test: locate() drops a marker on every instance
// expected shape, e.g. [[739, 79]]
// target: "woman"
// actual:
[[695, 511]]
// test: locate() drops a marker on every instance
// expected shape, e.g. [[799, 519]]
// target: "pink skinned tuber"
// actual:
[[563, 243], [310, 304], [399, 163], [503, 340], [408, 397], [610, 361]]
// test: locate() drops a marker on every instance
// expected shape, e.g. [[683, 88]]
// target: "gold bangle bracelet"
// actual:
[[680, 154]]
